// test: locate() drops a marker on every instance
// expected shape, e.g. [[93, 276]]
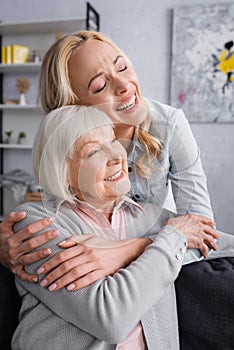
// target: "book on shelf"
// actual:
[[8, 54], [15, 54], [3, 57], [19, 54]]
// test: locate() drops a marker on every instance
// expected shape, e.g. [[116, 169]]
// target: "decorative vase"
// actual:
[[22, 100], [22, 141]]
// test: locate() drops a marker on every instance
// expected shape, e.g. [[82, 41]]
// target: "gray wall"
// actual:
[[142, 29]]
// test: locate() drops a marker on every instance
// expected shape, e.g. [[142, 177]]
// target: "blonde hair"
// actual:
[[153, 147], [55, 89], [54, 143]]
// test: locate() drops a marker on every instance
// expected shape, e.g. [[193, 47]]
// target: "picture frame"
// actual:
[[202, 62]]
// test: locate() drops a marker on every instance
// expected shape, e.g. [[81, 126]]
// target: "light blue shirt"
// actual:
[[178, 164]]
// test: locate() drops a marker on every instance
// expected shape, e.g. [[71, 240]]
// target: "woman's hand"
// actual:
[[15, 248], [87, 259], [198, 230]]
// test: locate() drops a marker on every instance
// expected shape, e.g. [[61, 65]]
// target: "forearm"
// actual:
[[15, 248], [6, 243], [120, 300], [119, 296], [133, 250]]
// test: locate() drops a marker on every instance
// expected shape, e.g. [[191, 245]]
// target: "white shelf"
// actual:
[[17, 106], [15, 146], [38, 35], [29, 67], [40, 27]]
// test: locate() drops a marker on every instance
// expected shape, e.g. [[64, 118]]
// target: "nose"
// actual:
[[121, 85]]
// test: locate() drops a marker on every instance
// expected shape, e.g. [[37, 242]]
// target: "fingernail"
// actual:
[[35, 279], [63, 242], [55, 233], [47, 251], [41, 270], [71, 286], [50, 220], [43, 283], [52, 287]]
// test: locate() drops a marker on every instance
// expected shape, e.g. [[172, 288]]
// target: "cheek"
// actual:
[[90, 174], [99, 99]]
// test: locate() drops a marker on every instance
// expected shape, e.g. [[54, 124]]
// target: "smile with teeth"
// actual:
[[114, 177], [128, 105]]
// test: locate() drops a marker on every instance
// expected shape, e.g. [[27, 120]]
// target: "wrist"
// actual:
[[137, 247]]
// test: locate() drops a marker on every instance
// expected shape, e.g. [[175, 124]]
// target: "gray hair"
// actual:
[[54, 142]]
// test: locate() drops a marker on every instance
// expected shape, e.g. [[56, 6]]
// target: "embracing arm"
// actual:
[[118, 302], [87, 261], [14, 248], [188, 180], [18, 250], [224, 246]]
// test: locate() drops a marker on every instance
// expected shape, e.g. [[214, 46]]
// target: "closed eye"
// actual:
[[120, 64], [93, 152], [100, 89], [123, 69]]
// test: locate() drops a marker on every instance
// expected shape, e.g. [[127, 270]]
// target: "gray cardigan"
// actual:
[[100, 316]]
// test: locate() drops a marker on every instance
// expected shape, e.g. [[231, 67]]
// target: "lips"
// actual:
[[114, 177], [127, 105]]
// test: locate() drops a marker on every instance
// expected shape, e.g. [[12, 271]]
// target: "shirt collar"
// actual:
[[123, 200]]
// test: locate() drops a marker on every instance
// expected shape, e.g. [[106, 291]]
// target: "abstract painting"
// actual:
[[202, 71]]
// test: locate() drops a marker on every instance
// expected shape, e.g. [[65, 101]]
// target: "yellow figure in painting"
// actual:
[[225, 63]]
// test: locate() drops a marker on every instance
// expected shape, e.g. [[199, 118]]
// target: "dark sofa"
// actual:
[[9, 307], [205, 303], [205, 299]]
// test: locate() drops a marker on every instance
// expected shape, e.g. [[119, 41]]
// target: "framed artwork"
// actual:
[[202, 70]]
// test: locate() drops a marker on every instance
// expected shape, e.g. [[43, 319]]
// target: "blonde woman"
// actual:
[[87, 68]]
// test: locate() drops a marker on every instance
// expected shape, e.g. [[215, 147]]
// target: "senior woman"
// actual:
[[88, 176], [86, 68]]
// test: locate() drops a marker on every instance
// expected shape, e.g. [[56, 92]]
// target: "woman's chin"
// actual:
[[117, 189], [124, 187]]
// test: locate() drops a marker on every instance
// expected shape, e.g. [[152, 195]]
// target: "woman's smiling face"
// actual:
[[102, 76], [98, 171]]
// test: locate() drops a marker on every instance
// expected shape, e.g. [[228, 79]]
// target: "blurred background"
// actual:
[[143, 29]]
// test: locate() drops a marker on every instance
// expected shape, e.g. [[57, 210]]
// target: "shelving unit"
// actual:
[[14, 146], [14, 106], [29, 67], [27, 118]]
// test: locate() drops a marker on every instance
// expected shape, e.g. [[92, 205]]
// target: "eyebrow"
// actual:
[[115, 61], [95, 142], [93, 78], [87, 143], [101, 73]]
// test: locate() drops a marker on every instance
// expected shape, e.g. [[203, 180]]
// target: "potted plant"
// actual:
[[21, 136], [23, 85], [8, 134]]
